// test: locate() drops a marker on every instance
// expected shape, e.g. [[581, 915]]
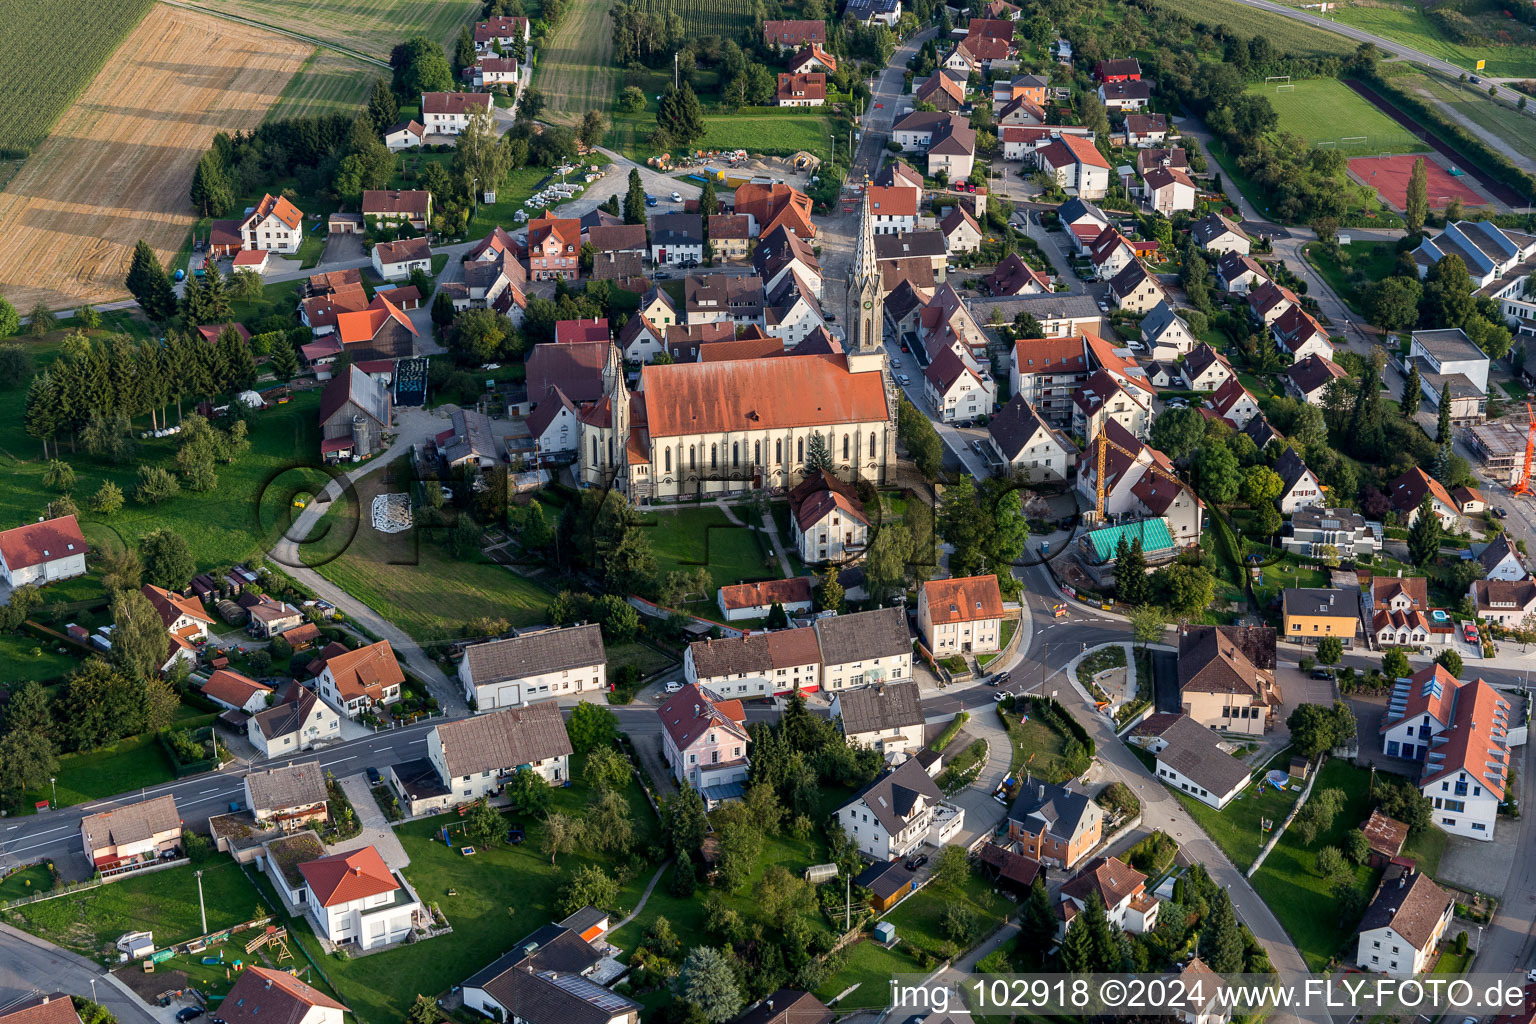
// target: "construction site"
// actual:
[[1504, 449]]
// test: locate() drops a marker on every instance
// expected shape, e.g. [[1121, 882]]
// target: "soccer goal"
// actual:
[[1277, 78], [1328, 144], [1283, 88], [1356, 142]]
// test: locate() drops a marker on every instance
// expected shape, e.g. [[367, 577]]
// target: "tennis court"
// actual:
[[1389, 175]]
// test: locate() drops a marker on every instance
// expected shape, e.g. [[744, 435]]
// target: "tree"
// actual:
[[149, 285], [139, 643], [679, 115], [562, 833], [1356, 846], [1447, 300], [709, 203], [1418, 198], [1443, 418], [1176, 432], [479, 335], [58, 475], [531, 105], [1261, 486], [1316, 729], [1186, 589], [529, 793], [591, 886], [383, 108], [952, 868], [167, 558], [829, 592], [817, 455], [1037, 922], [1331, 864], [423, 1011], [632, 99], [481, 158], [1132, 586], [1394, 664], [1413, 395], [592, 127], [420, 65], [1148, 624], [685, 823], [1425, 534], [592, 726], [41, 320], [1216, 472], [30, 709], [10, 320], [1221, 941], [606, 769], [917, 434], [708, 981], [1451, 660], [483, 824], [1329, 650], [1392, 304], [27, 761], [464, 49], [885, 561], [634, 199], [211, 192]]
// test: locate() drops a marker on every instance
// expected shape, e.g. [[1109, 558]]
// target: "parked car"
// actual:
[[913, 863], [1103, 306], [1500, 512], [677, 197], [896, 362], [903, 379], [1321, 673], [189, 1013], [673, 687], [998, 680], [374, 778], [1469, 630], [1000, 696], [650, 200]]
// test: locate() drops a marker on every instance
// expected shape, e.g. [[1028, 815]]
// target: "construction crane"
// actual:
[[1523, 485], [1103, 444]]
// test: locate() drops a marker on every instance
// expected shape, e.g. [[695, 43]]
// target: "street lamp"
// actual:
[[200, 906], [53, 782]]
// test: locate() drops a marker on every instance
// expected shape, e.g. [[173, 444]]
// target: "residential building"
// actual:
[[770, 207], [523, 992], [533, 666], [1142, 130], [474, 757], [133, 836], [1125, 95], [1308, 378], [269, 617], [1139, 481], [552, 947], [677, 238], [273, 225], [864, 648], [887, 717], [405, 135], [1314, 528], [812, 58], [802, 90], [261, 995], [394, 261], [297, 722], [1448, 359], [1119, 69], [1216, 233], [238, 692], [1298, 335], [1397, 612], [1268, 301], [961, 232], [572, 332], [1012, 276], [955, 390], [794, 34], [730, 237], [704, 741], [393, 207], [827, 519], [1227, 677], [1054, 825], [43, 552], [894, 814], [1121, 889], [356, 898], [51, 1008], [502, 31], [755, 601], [943, 89], [380, 330], [952, 152], [737, 300], [1110, 252], [1488, 251], [1404, 923], [786, 1006], [756, 665], [1408, 492], [1169, 190], [354, 682], [1299, 485], [1311, 613], [1046, 372], [1470, 501], [1165, 334], [960, 616], [1190, 759], [448, 113], [1500, 560], [1511, 604], [1026, 444], [1077, 165], [1205, 369], [354, 414], [1106, 397], [554, 248], [184, 620], [291, 797], [494, 71], [1239, 273]]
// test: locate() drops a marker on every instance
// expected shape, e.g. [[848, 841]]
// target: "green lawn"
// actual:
[[126, 765], [1326, 110], [164, 902], [644, 657], [327, 83], [704, 536], [520, 184], [27, 882], [18, 662], [1407, 23], [371, 26], [1426, 849], [1286, 34], [1357, 265], [1037, 747], [1236, 828], [1516, 128]]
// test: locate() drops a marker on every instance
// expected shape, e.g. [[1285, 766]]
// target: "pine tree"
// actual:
[[1132, 586], [42, 411], [464, 50], [1037, 924], [1417, 207], [284, 360], [634, 199], [1424, 534], [211, 191], [383, 108], [829, 592], [1221, 943], [1412, 395], [817, 455], [236, 361], [1444, 462], [149, 284], [708, 202], [1076, 950], [1443, 423]]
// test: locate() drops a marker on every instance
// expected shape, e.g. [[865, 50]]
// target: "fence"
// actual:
[[56, 891]]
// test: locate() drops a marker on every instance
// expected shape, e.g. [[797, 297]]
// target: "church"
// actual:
[[710, 428]]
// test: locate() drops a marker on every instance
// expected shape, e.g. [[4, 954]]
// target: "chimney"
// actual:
[[695, 711], [1042, 791], [269, 983], [770, 1004]]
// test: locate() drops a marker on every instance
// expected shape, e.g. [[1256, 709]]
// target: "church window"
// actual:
[[845, 447], [800, 450], [757, 453], [871, 444], [735, 454], [667, 457], [778, 452], [714, 456], [691, 463]]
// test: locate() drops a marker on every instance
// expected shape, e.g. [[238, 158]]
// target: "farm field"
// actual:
[[1287, 34], [370, 26], [118, 166], [1407, 23], [328, 83], [724, 18], [1516, 129], [756, 129], [576, 72], [36, 85], [1325, 110]]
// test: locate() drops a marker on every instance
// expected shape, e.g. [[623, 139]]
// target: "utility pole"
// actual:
[[674, 69], [848, 902], [201, 908]]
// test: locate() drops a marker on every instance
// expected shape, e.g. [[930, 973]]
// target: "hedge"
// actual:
[[1057, 718]]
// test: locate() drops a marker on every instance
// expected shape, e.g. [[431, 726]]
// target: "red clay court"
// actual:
[[1388, 175]]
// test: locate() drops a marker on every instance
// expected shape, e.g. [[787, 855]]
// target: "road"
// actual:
[[29, 967]]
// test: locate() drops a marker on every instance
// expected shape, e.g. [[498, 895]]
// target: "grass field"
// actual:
[[1287, 34], [371, 26], [164, 902], [1037, 747], [1517, 129], [1327, 110], [576, 72], [328, 83], [118, 166], [1236, 828], [18, 663], [1359, 264], [43, 71], [692, 537], [1406, 23], [26, 882]]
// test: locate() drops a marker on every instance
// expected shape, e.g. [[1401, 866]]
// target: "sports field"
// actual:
[[118, 166], [371, 26], [328, 83], [1325, 111], [576, 73], [1407, 23], [1388, 175]]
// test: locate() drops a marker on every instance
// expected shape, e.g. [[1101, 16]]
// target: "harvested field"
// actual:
[[328, 83], [118, 165], [576, 73], [371, 26]]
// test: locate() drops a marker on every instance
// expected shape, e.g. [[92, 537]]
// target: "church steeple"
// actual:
[[865, 307]]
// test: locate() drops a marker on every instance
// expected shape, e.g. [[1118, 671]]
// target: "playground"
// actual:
[[1389, 175]]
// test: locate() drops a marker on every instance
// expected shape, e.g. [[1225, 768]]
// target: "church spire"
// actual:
[[865, 312]]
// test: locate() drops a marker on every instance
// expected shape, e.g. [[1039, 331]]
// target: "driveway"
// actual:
[[376, 831]]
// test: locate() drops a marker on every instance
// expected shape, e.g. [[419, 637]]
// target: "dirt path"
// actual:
[[576, 72]]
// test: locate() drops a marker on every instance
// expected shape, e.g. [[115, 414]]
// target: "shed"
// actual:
[[345, 223], [885, 932], [230, 612], [818, 873]]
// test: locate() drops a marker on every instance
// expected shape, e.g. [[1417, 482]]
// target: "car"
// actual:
[[1000, 696], [879, 106], [1500, 512], [650, 200], [1177, 403], [896, 362], [998, 680], [913, 863], [1321, 673], [1103, 306], [677, 197], [673, 687], [1135, 346], [1476, 80], [831, 317], [1530, 975], [189, 1013], [1469, 631], [903, 379], [374, 777], [662, 275]]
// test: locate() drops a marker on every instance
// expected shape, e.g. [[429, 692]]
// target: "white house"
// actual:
[[448, 113], [493, 71], [756, 665], [1166, 334], [395, 260], [1313, 528], [1205, 369], [827, 519], [704, 742], [640, 340], [405, 135], [355, 898], [184, 620], [297, 722], [274, 224], [1300, 486], [42, 552], [1192, 761], [1489, 252], [886, 717], [1308, 378], [1511, 604], [864, 648], [1025, 443], [955, 391], [354, 681], [893, 815], [740, 601], [1298, 335], [1169, 190], [1239, 273], [288, 797], [960, 616], [535, 665], [1122, 890], [1448, 358], [1500, 561], [893, 208], [1216, 233], [238, 692], [1403, 925], [538, 983], [1077, 165], [961, 232], [474, 757]]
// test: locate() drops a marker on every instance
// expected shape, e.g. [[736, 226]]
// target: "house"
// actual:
[[571, 332], [704, 741], [391, 208], [1110, 252], [960, 616], [1227, 677], [261, 995], [1191, 760], [1120, 69], [1300, 485], [827, 519], [1055, 825], [554, 248], [474, 757], [1168, 190], [448, 113], [1297, 334], [1077, 166], [354, 414], [1121, 889], [493, 71], [887, 717], [757, 664], [559, 948], [1268, 301], [378, 331], [232, 690], [298, 721], [1449, 359], [1142, 130], [893, 815], [1511, 604], [1386, 837], [132, 836], [223, 238], [1470, 501], [1026, 444], [893, 209], [720, 298], [961, 232], [1399, 612], [911, 250], [1404, 923], [273, 225], [864, 648], [677, 238], [467, 441], [501, 31], [1233, 402], [355, 897], [952, 151], [812, 58], [1012, 276], [618, 238], [955, 391], [1313, 529], [1082, 220], [801, 90], [1408, 491], [545, 980], [1262, 433], [395, 260], [42, 552], [289, 798], [786, 1006], [794, 34], [1239, 273], [730, 236], [1125, 95], [1098, 550], [533, 666], [183, 618], [1135, 289], [324, 298], [1047, 372], [1308, 378], [355, 681], [1216, 233], [1032, 88], [783, 258], [1488, 251], [1311, 613], [1500, 561], [770, 207], [1205, 369], [756, 600], [1165, 334], [941, 91]]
